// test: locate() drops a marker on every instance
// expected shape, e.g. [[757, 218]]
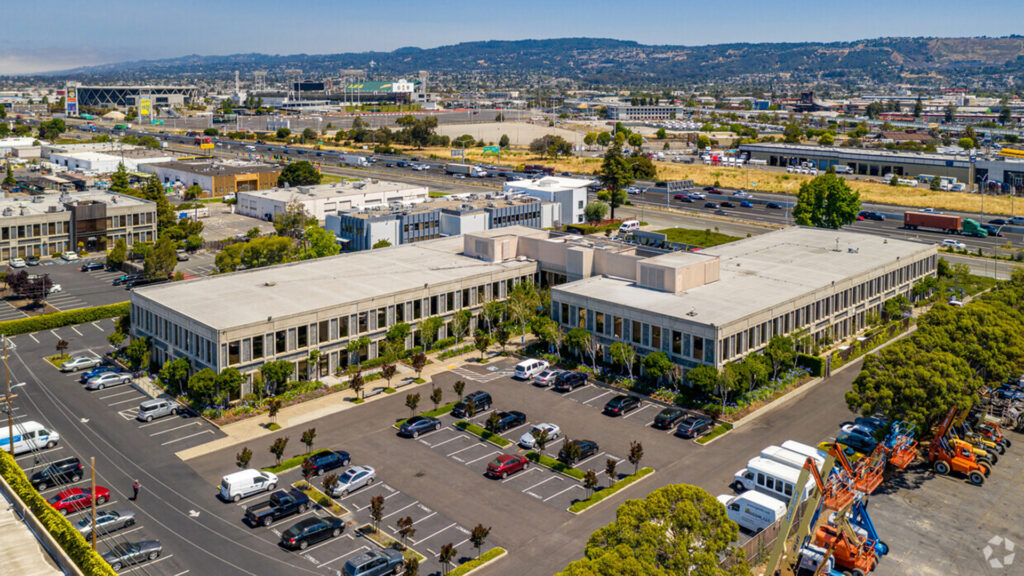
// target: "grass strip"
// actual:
[[485, 434], [467, 567], [718, 431], [439, 411], [292, 462], [556, 465], [596, 497]]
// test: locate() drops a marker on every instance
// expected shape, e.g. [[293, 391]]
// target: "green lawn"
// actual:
[[704, 238]]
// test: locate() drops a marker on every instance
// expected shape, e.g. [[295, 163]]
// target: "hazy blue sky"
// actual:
[[54, 34]]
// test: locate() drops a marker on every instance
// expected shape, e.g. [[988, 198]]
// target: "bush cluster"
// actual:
[[59, 319]]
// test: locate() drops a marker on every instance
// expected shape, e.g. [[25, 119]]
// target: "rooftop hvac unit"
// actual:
[[37, 199], [359, 185], [8, 211], [465, 206], [491, 204]]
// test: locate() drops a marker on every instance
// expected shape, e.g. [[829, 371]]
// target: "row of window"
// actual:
[[513, 219], [176, 335]]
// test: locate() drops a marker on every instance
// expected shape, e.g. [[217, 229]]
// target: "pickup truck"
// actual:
[[280, 505]]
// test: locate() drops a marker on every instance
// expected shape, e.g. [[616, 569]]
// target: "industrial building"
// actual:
[[50, 224], [626, 112], [361, 229], [570, 193], [323, 199], [699, 308], [105, 162], [126, 96], [216, 177]]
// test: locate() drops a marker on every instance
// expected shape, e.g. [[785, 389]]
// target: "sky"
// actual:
[[45, 35]]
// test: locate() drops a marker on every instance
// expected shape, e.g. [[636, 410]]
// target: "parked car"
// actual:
[[529, 368], [182, 256], [17, 263], [567, 381], [108, 379], [80, 363], [126, 278], [506, 464], [476, 402], [693, 426], [329, 460], [857, 441], [280, 505], [90, 266], [621, 405], [90, 374], [353, 479], [55, 288], [69, 256], [106, 521], [773, 206], [64, 471], [588, 448], [312, 530], [131, 553], [32, 261], [668, 418], [506, 421], [157, 408], [374, 563], [547, 377], [417, 425], [529, 439], [75, 499]]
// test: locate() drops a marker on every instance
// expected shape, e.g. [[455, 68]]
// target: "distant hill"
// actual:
[[605, 61]]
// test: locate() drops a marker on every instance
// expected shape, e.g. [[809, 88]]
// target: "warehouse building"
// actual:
[[570, 193], [106, 162], [361, 229], [50, 224], [216, 178], [126, 96], [323, 199]]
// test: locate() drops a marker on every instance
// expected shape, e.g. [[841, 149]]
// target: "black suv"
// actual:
[[479, 401], [587, 449], [60, 472], [694, 426], [506, 421], [621, 404], [126, 278], [569, 381], [668, 418], [329, 460]]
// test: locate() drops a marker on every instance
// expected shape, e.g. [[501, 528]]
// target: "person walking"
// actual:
[[135, 489]]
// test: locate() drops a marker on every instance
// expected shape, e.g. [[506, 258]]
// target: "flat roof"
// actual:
[[212, 168], [334, 189], [237, 299], [430, 205], [42, 203], [758, 273], [549, 183]]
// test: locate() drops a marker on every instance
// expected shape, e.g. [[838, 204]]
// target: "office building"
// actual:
[[626, 113], [570, 193], [216, 178], [323, 199]]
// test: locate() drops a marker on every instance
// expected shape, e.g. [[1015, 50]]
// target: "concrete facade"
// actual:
[[103, 162], [324, 199], [216, 178], [624, 112], [571, 193]]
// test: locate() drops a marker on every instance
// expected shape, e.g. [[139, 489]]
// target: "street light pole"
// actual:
[[92, 461], [9, 404]]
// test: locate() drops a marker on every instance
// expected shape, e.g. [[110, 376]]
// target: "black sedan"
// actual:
[[711, 204], [668, 418], [311, 531], [587, 448], [131, 553], [329, 460], [992, 230], [621, 405], [727, 204], [567, 381], [417, 425], [90, 266], [997, 222], [126, 279], [693, 426], [506, 421], [773, 206]]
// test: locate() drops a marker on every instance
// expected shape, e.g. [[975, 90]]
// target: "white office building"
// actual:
[[571, 193], [323, 199]]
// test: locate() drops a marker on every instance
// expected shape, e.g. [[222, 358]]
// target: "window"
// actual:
[[565, 314], [449, 302], [788, 488], [233, 352], [481, 294], [325, 335], [599, 323], [417, 308], [257, 347], [698, 347], [617, 327], [363, 322], [433, 306], [303, 336], [760, 479], [465, 297], [656, 337], [280, 342], [635, 334], [400, 312], [343, 327], [582, 320], [677, 342], [382, 317]]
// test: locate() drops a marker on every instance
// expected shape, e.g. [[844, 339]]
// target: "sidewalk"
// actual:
[[299, 414]]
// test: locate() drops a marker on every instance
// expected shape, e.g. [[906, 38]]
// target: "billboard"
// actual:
[[492, 150], [145, 107], [71, 101]]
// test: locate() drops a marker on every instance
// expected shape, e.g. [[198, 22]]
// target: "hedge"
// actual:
[[555, 465], [291, 462], [80, 552], [485, 434], [59, 319], [814, 364], [718, 431], [440, 411], [466, 567], [596, 497]]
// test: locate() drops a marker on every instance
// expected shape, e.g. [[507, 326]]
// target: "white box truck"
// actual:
[[466, 170], [353, 160]]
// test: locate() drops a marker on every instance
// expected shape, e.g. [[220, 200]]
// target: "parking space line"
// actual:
[[580, 389], [175, 428], [597, 397], [31, 454], [55, 335], [123, 401], [360, 549], [548, 479], [118, 394], [521, 474], [186, 437], [462, 450], [424, 518], [562, 492], [76, 331], [147, 563], [32, 336], [598, 455], [488, 455], [445, 442], [119, 533], [182, 573], [516, 428], [172, 420], [97, 326], [434, 534], [414, 502], [639, 410]]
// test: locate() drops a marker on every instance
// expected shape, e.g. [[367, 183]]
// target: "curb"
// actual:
[[487, 563], [631, 484]]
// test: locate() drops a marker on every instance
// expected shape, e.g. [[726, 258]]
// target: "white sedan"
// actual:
[[17, 262], [56, 288], [529, 439], [69, 256]]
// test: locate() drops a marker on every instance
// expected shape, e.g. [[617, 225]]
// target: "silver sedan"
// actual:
[[108, 379], [106, 521]]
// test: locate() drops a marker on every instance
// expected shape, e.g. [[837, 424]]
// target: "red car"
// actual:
[[75, 499], [507, 464]]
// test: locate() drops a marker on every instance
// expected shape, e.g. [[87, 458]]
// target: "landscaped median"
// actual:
[[467, 567], [715, 433], [557, 466], [293, 462], [325, 501], [596, 497], [68, 318], [485, 434], [439, 411], [56, 524]]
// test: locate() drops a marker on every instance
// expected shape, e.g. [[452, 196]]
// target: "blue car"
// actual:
[[86, 376], [746, 204], [417, 425]]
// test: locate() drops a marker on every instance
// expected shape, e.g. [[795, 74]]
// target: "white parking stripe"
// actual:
[[521, 474], [562, 492], [32, 336], [640, 409], [462, 450], [175, 428], [597, 397], [118, 394], [415, 502], [424, 518], [598, 455], [548, 479], [76, 331], [434, 534], [147, 563], [186, 437], [360, 549], [445, 442], [488, 455], [135, 399], [97, 326]]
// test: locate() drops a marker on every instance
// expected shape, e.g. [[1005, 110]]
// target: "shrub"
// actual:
[[59, 319], [718, 431], [440, 411], [814, 364], [292, 462], [475, 563], [596, 497], [443, 343], [485, 434], [555, 465]]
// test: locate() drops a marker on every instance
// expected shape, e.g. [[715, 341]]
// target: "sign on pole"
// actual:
[[71, 101], [492, 149], [145, 107], [457, 152]]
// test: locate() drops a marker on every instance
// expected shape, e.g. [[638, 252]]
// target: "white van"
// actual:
[[806, 451], [28, 437], [790, 458], [771, 478], [629, 226], [238, 485], [529, 369], [752, 510]]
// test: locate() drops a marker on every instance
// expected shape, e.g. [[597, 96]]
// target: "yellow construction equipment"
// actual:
[[1011, 153]]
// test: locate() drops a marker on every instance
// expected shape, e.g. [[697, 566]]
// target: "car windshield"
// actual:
[[347, 476], [497, 463], [293, 531]]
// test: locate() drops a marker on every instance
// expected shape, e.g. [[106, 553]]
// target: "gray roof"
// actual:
[[758, 273]]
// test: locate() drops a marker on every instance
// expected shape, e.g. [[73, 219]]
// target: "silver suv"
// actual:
[[151, 409]]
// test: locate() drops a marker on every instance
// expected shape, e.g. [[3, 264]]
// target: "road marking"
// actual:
[[415, 502], [445, 442], [186, 437], [158, 421], [434, 534], [33, 454], [360, 549], [562, 492], [182, 573], [516, 428], [55, 335], [521, 474], [147, 563], [76, 331], [639, 410], [101, 330], [581, 388], [137, 398], [548, 479], [488, 455], [587, 459], [424, 518], [32, 336], [597, 397], [118, 394], [462, 450], [175, 428], [460, 543], [119, 533]]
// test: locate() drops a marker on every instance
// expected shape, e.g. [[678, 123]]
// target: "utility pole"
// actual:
[[8, 403], [92, 462]]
